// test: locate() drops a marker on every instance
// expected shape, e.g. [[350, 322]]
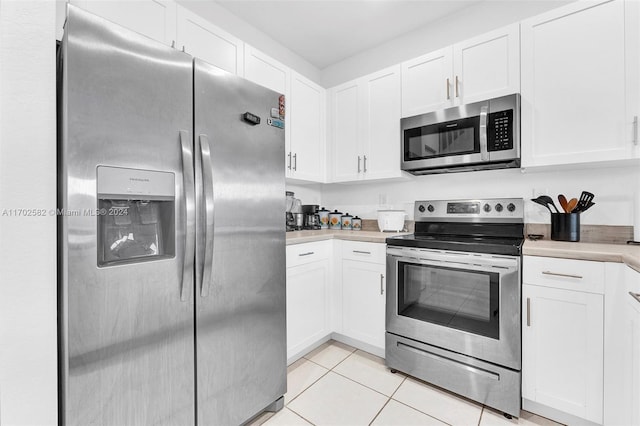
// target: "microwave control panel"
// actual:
[[500, 131]]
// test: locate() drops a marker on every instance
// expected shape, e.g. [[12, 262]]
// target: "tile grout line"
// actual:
[[362, 384], [314, 382], [414, 408], [379, 411], [301, 416]]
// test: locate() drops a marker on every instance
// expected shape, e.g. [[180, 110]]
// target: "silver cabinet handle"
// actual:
[[188, 212], [561, 275], [484, 152], [381, 284], [448, 95], [173, 44], [528, 312], [289, 155], [635, 130], [457, 91], [295, 162], [207, 188], [358, 164], [365, 164], [361, 252], [635, 296], [306, 254]]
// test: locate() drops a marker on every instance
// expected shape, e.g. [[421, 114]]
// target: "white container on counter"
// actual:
[[391, 220]]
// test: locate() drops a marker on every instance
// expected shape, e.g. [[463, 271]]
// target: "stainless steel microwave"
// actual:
[[478, 136]]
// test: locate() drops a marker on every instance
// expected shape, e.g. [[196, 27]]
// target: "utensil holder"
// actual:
[[565, 226]]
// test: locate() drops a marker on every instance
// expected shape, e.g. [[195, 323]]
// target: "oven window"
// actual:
[[443, 139], [458, 298]]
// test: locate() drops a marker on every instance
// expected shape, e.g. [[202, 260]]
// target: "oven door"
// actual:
[[464, 302]]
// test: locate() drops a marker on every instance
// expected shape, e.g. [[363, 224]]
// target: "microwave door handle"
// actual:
[[188, 212], [207, 188], [484, 153]]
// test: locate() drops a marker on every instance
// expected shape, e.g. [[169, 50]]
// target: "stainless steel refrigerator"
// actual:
[[172, 252]]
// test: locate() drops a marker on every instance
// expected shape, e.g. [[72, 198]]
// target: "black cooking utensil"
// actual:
[[545, 200], [583, 203]]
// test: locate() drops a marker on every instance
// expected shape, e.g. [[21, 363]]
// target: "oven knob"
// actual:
[[487, 208], [498, 207], [430, 208], [421, 208], [511, 207]]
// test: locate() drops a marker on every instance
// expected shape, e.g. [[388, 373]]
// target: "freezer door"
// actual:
[[126, 278], [240, 273]]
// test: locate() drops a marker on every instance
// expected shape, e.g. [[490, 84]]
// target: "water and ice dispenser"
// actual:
[[136, 219]]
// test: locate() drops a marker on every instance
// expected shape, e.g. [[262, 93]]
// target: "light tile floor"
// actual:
[[338, 385]]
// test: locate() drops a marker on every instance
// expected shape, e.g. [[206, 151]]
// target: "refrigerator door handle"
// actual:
[[188, 211], [207, 188]]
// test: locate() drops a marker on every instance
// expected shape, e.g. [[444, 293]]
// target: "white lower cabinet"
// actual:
[[308, 292], [631, 368], [363, 301], [562, 337]]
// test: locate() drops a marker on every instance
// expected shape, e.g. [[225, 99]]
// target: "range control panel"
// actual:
[[479, 210]]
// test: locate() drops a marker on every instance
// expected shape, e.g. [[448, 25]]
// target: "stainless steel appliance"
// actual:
[[172, 290], [453, 299], [478, 136]]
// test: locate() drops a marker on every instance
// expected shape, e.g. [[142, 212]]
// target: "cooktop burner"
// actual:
[[494, 226]]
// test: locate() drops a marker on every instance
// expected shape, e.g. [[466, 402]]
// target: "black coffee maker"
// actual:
[[311, 217]]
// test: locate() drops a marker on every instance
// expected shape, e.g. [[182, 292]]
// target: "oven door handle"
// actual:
[[489, 264]]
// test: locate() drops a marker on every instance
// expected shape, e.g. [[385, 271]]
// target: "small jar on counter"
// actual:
[[356, 223], [324, 218], [335, 220], [346, 221]]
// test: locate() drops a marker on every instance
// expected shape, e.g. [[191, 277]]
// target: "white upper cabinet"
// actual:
[[265, 71], [480, 68], [426, 83], [199, 38], [487, 66], [306, 151], [365, 121], [155, 19], [345, 117], [576, 76], [381, 154]]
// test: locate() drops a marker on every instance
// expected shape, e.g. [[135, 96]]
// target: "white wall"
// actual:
[[614, 189], [28, 345], [229, 22], [480, 18]]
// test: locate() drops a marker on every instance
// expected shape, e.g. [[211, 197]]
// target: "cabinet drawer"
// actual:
[[365, 252], [569, 274], [299, 254]]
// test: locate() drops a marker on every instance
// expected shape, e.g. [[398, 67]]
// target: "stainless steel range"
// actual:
[[453, 299]]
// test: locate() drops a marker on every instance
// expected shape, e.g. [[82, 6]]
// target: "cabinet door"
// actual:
[[155, 19], [363, 301], [307, 123], [562, 350], [573, 85], [346, 151], [634, 343], [307, 305], [204, 40], [381, 158], [265, 71], [631, 393], [426, 83], [487, 66]]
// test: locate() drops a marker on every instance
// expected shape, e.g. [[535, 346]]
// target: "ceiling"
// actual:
[[325, 32]]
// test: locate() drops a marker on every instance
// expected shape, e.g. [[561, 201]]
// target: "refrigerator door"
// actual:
[[126, 269], [240, 254]]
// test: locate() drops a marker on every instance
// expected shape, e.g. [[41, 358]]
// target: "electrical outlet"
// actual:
[[382, 199]]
